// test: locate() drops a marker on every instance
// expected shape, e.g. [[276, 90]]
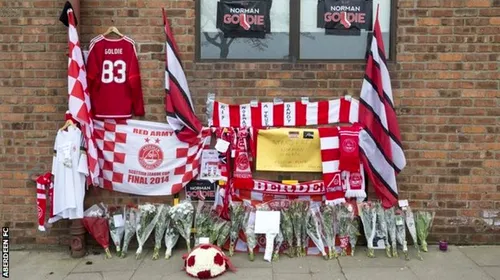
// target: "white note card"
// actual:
[[118, 220], [267, 222], [221, 145], [204, 240], [403, 203]]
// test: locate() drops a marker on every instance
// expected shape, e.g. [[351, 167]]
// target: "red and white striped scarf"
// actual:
[[380, 140], [287, 114], [79, 98], [44, 183]]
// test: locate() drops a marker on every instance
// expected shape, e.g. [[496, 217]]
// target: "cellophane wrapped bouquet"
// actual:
[[96, 223], [202, 221], [390, 219], [287, 230], [216, 226], [423, 221], [381, 228], [171, 235], [314, 229], [401, 232], [249, 227], [345, 215], [237, 214], [410, 223], [131, 214], [148, 216], [299, 211], [161, 226], [354, 233], [182, 216], [116, 221], [328, 218], [369, 219]]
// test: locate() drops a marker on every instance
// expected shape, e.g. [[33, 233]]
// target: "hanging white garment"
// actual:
[[70, 169]]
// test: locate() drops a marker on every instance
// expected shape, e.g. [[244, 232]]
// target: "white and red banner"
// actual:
[[286, 114], [145, 158], [380, 140]]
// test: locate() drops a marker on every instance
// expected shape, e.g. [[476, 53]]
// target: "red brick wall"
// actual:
[[446, 87]]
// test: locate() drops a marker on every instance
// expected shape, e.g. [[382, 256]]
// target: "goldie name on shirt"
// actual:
[[113, 51]]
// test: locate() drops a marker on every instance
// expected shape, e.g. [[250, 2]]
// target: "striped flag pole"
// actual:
[[380, 140], [178, 102]]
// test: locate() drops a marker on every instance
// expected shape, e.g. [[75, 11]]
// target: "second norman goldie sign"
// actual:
[[292, 150]]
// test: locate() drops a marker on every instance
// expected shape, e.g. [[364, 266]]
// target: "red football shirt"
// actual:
[[114, 78]]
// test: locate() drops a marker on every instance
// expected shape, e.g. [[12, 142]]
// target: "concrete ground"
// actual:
[[458, 263]]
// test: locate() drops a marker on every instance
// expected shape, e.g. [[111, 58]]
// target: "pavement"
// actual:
[[480, 262]]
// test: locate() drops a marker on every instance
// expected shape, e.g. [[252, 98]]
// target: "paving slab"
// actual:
[[328, 276], [118, 275], [451, 273], [158, 269], [241, 260], [96, 263], [451, 259], [493, 271], [44, 265], [320, 265], [381, 260], [380, 273], [85, 276], [292, 276], [483, 255], [247, 274], [292, 265], [16, 257]]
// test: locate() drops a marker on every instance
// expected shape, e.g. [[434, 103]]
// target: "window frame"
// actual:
[[294, 42]]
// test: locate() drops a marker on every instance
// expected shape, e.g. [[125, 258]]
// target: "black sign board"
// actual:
[[345, 17], [201, 190], [244, 19]]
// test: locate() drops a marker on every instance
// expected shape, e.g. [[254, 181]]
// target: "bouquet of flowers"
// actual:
[[171, 236], [410, 223], [344, 218], [249, 226], [298, 210], [369, 219], [216, 225], [237, 213], [287, 230], [303, 227], [328, 218], [381, 228], [390, 220], [203, 221], [97, 225], [182, 218], [314, 229], [148, 216], [131, 214], [354, 233], [401, 232], [424, 223], [223, 233], [160, 228], [116, 226]]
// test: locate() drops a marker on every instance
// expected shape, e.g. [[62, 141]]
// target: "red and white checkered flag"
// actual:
[[79, 99]]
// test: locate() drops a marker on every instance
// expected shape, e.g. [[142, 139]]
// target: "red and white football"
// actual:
[[206, 261]]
